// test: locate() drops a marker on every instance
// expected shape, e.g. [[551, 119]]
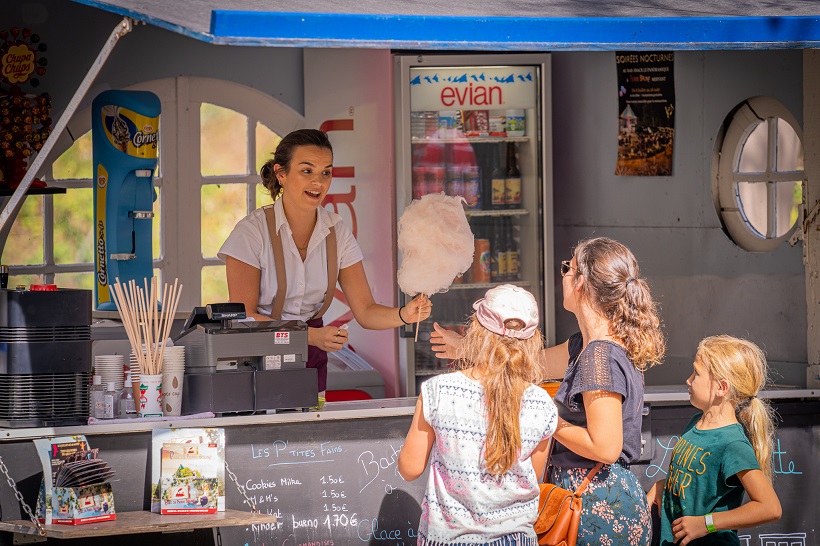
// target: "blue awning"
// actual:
[[488, 25]]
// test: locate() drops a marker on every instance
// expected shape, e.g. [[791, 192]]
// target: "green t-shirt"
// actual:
[[702, 478]]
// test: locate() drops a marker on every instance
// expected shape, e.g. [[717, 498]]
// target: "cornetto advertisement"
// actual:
[[646, 113]]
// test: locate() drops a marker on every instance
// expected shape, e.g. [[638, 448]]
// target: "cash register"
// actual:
[[234, 365]]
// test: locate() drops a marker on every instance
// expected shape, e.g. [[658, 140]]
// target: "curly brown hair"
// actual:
[[613, 287]]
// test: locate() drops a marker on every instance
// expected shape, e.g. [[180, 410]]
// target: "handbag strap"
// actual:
[[547, 464], [591, 474]]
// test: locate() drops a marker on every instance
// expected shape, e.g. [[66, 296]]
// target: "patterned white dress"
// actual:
[[463, 503]]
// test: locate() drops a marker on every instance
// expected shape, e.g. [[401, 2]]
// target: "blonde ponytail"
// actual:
[[757, 417], [506, 367], [743, 366]]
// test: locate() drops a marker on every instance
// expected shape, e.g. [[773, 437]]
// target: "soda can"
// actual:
[[455, 181], [480, 272], [436, 179], [472, 187], [419, 182]]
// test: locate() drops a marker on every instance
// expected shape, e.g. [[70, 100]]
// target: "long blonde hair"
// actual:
[[743, 366], [505, 367], [613, 287]]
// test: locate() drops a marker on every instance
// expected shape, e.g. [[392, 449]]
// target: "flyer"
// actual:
[[188, 478], [211, 437]]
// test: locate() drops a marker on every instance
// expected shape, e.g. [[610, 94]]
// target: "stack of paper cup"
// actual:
[[110, 369], [135, 376], [173, 371]]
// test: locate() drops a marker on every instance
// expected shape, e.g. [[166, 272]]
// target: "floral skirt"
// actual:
[[614, 510]]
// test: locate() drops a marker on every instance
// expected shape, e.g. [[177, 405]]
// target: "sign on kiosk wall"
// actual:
[[473, 88], [348, 93]]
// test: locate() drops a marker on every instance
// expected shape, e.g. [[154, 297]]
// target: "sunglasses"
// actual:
[[565, 267]]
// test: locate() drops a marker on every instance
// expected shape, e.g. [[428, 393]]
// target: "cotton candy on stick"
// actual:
[[436, 245]]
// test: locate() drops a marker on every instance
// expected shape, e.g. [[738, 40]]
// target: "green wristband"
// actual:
[[710, 523]]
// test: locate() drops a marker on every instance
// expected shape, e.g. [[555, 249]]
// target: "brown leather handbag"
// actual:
[[559, 511]]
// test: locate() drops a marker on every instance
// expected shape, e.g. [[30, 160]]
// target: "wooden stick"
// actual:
[[162, 319], [418, 321], [126, 315], [125, 312], [177, 292], [169, 310], [134, 313]]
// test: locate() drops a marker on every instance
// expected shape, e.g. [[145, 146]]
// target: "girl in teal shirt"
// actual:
[[724, 451]]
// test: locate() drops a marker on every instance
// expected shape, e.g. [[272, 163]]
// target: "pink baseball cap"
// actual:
[[506, 302]]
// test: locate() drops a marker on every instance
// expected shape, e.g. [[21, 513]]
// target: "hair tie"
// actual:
[[629, 280]]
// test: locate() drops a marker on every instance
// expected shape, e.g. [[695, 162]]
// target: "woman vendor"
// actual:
[[283, 260]]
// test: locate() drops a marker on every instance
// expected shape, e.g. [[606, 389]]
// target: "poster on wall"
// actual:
[[646, 112]]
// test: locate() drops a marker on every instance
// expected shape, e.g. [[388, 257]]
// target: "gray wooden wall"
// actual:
[[705, 283]]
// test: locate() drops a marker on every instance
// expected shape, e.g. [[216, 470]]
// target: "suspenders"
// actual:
[[281, 276]]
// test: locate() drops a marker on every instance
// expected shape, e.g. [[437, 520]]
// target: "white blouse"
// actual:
[[249, 242]]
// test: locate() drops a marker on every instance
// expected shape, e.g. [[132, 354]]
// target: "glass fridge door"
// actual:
[[476, 132]]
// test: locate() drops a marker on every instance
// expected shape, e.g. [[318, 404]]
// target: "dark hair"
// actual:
[[284, 153], [614, 288]]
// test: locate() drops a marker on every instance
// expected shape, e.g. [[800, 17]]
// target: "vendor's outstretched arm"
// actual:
[[372, 315]]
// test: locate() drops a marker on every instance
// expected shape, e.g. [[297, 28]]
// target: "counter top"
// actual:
[[679, 393], [361, 409]]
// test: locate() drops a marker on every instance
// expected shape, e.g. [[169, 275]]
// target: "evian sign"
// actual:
[[473, 88]]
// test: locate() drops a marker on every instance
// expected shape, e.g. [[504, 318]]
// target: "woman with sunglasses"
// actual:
[[600, 399]]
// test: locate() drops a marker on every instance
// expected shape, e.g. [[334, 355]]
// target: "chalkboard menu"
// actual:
[[328, 483], [334, 482]]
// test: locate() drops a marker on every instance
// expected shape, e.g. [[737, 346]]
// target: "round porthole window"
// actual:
[[758, 174]]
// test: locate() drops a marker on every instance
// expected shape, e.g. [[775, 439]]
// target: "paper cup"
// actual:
[[150, 395], [172, 391]]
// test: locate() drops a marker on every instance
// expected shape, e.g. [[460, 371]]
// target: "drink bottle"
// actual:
[[498, 268], [513, 257], [512, 186], [499, 181]]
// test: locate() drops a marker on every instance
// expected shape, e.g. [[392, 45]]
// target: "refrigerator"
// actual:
[[478, 126]]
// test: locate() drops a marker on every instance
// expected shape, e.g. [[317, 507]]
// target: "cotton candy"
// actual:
[[436, 244]]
